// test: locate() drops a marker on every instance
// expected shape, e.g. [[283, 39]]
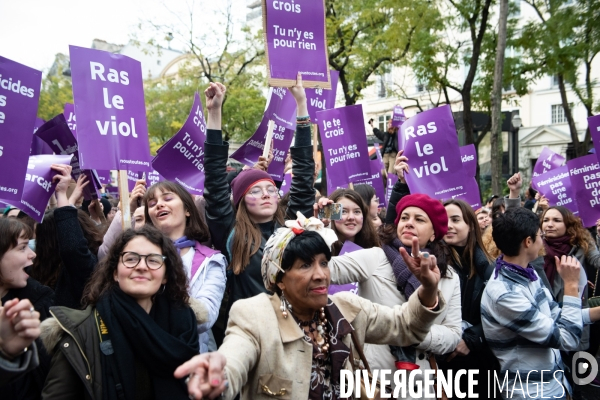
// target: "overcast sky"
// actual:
[[33, 31]]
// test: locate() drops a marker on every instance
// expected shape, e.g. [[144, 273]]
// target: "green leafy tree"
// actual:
[[56, 91]]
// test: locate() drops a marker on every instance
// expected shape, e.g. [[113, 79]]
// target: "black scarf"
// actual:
[[160, 341]]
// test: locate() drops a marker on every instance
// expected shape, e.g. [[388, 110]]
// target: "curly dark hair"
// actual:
[[102, 280], [195, 227], [575, 230]]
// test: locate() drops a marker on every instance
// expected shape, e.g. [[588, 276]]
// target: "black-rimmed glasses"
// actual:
[[131, 259]]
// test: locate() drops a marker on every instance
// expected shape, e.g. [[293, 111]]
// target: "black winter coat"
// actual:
[[388, 140], [220, 213]]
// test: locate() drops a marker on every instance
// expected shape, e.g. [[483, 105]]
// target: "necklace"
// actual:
[[318, 324]]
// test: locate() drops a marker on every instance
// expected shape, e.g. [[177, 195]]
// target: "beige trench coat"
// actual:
[[267, 353]]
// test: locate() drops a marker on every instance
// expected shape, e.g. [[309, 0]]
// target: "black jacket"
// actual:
[[78, 262], [387, 140], [220, 213]]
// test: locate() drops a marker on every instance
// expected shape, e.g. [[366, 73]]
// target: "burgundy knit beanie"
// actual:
[[245, 180], [434, 209]]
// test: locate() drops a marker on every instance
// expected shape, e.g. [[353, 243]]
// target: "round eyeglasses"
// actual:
[[131, 259], [257, 192]]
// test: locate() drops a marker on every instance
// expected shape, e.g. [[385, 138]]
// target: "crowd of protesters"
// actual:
[[227, 295]]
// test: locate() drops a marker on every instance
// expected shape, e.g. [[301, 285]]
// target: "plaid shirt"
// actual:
[[526, 329]]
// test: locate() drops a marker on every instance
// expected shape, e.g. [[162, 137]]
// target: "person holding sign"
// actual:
[[241, 230], [390, 144]]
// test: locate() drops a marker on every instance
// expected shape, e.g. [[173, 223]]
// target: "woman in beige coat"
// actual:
[[293, 344]]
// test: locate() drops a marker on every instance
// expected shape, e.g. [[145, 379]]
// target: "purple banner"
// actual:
[[249, 152], [104, 176], [391, 181], [154, 177], [182, 158], [38, 146], [296, 42], [468, 156], [19, 96], [38, 185], [285, 184], [470, 193], [376, 182], [344, 144], [132, 178], [69, 112], [555, 185], [585, 181], [322, 99], [58, 136], [547, 161], [281, 108], [398, 116], [430, 142], [348, 247], [594, 125], [113, 191], [109, 99]]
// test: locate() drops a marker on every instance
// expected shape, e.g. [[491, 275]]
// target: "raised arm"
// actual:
[[220, 214], [302, 191], [400, 188]]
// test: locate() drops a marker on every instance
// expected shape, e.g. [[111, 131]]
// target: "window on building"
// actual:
[[383, 121], [558, 114], [420, 87], [380, 87], [554, 80]]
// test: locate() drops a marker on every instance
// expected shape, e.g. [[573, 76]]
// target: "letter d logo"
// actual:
[[589, 367]]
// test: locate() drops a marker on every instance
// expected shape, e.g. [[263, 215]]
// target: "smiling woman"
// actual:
[[15, 256]]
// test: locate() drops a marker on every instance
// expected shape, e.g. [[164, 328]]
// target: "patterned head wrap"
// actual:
[[273, 253]]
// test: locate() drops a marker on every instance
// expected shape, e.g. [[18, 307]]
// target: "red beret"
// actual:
[[434, 209], [245, 180]]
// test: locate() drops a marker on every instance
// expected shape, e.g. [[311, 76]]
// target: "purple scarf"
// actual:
[[183, 242], [406, 281], [528, 272]]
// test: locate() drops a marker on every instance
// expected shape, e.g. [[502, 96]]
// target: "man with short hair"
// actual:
[[523, 325]]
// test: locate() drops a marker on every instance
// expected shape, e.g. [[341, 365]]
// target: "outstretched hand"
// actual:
[[214, 95], [424, 267], [401, 166], [76, 194], [206, 375], [515, 183]]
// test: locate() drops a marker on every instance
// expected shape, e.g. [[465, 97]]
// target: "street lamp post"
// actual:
[[514, 148]]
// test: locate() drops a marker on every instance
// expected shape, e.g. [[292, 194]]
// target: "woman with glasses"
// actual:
[[171, 209], [240, 225], [137, 327]]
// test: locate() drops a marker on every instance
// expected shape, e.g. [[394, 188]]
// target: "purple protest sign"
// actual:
[[295, 42], [285, 185], [348, 247], [109, 100], [391, 181], [113, 191], [154, 177], [594, 125], [547, 161], [430, 142], [585, 181], [555, 185], [344, 144], [38, 185], [69, 113], [470, 193], [281, 108], [398, 116], [92, 190], [468, 156], [58, 136], [104, 176], [376, 182], [322, 99], [19, 96], [249, 152], [182, 159], [132, 178], [38, 146]]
